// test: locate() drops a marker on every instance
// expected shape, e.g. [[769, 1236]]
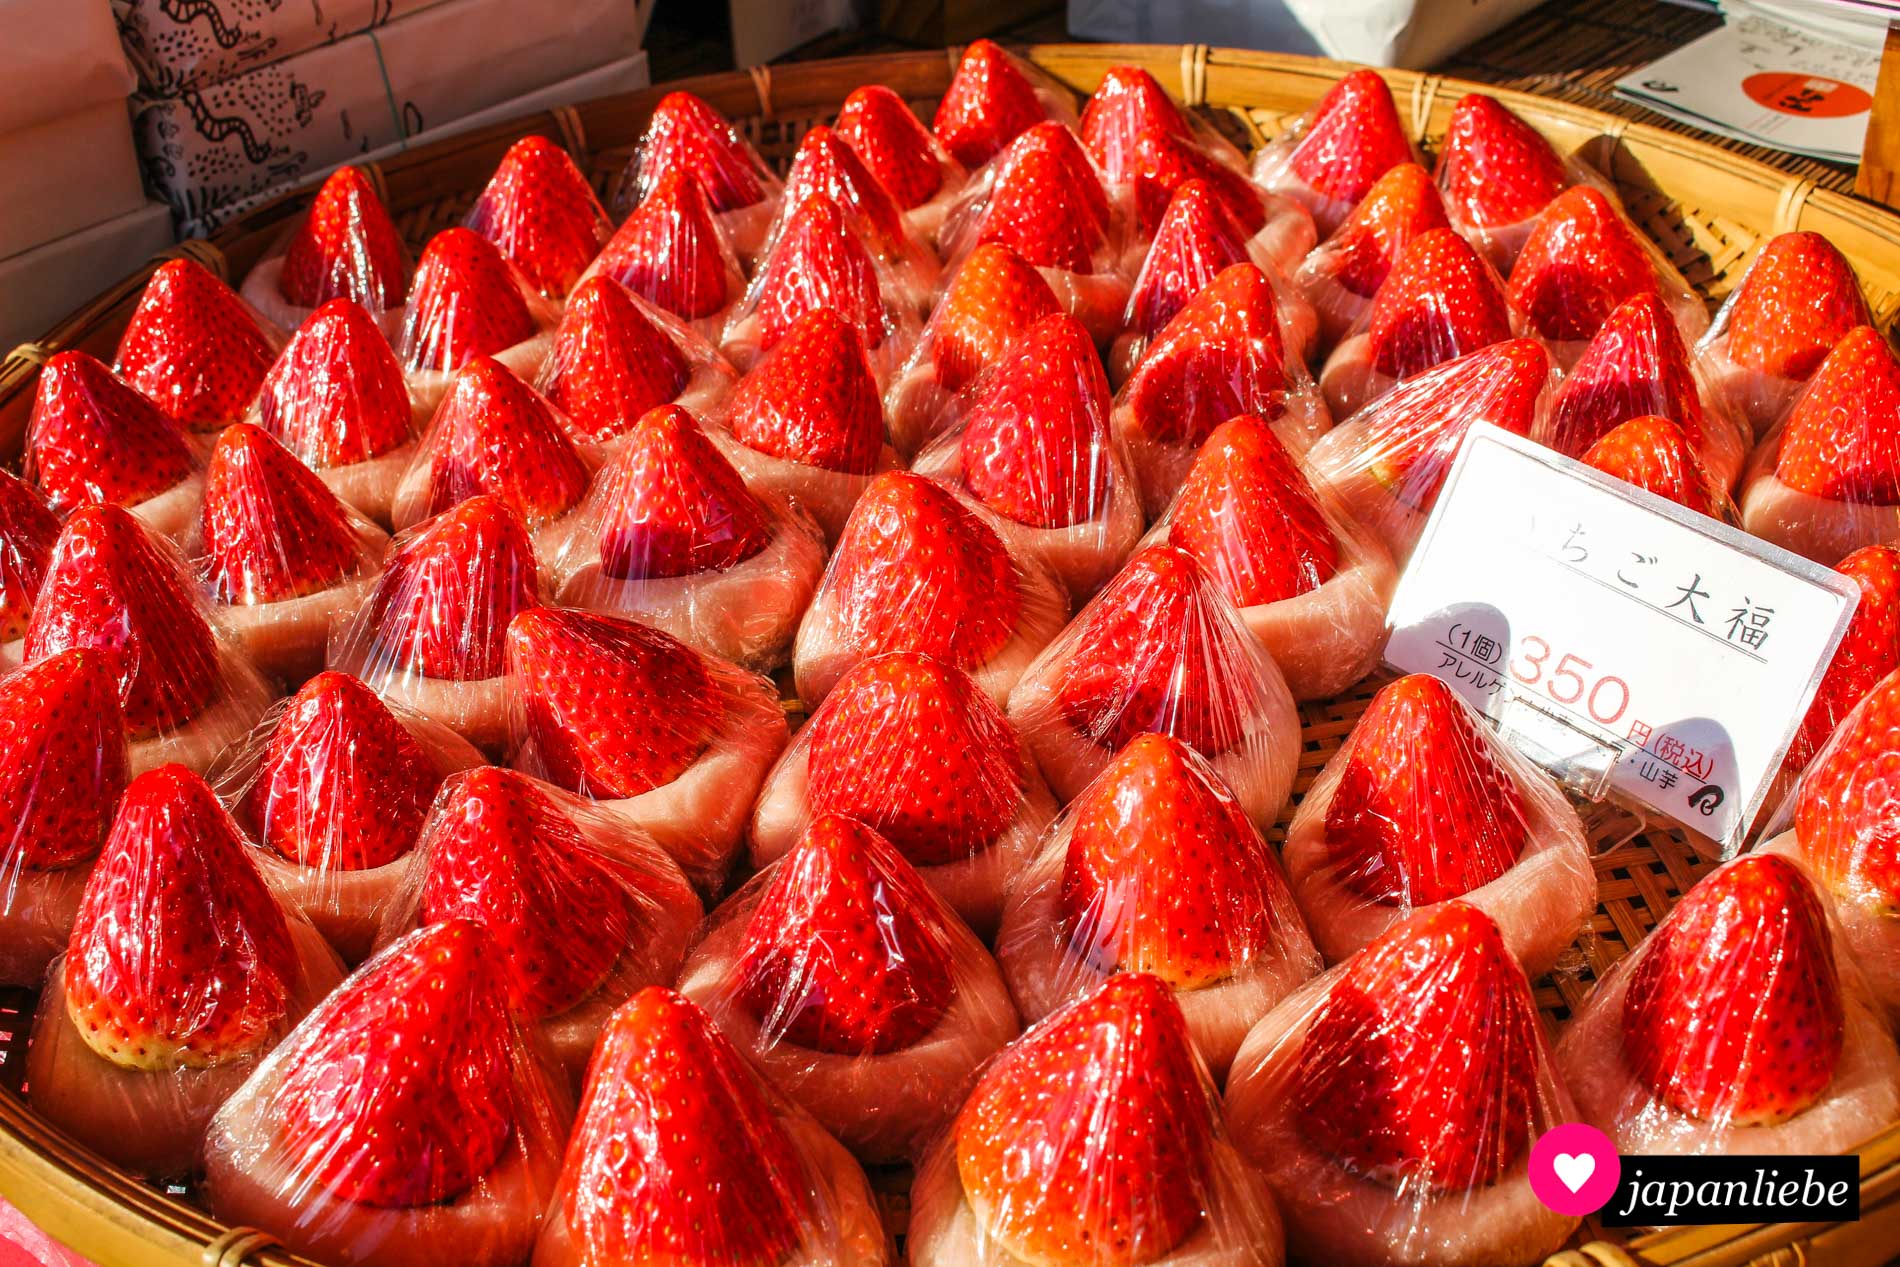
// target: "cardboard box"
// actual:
[[65, 174], [40, 286], [62, 56], [174, 47], [764, 29]]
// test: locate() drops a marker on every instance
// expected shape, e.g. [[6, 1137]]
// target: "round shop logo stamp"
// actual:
[[1574, 1169], [1807, 96]]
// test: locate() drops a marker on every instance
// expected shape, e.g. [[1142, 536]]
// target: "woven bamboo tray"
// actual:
[[1707, 208]]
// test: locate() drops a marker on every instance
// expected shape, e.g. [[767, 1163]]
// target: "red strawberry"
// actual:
[[401, 1089], [1636, 364], [916, 570], [62, 760], [991, 302], [1842, 438], [679, 1156], [1165, 873], [1120, 1061], [1159, 650], [1085, 180], [92, 439], [1413, 432], [1799, 299], [671, 253], [816, 263], [466, 301], [826, 166], [1163, 163], [1734, 1009], [346, 248], [813, 399], [1869, 651], [194, 348], [1424, 810], [445, 599], [1440, 302], [846, 950], [612, 707], [1373, 1087], [1354, 138], [28, 529], [1653, 453], [540, 210], [1401, 206], [111, 588], [1040, 208], [501, 852], [687, 135], [673, 505], [1848, 811], [1493, 168], [493, 433], [336, 396], [893, 144], [988, 104], [1197, 240], [964, 768], [271, 529], [1128, 106], [1035, 443], [180, 955], [1220, 356], [610, 363], [1580, 262], [343, 785], [1248, 515]]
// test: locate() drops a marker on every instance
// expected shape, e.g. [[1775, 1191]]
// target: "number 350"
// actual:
[[1567, 683]]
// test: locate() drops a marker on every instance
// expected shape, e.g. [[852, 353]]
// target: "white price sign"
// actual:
[[1636, 649]]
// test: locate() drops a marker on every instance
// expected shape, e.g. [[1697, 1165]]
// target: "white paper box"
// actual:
[[65, 174], [213, 40], [59, 57], [40, 286], [1407, 33]]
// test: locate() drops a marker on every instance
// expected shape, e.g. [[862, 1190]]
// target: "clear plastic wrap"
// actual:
[[1868, 652], [1584, 258], [672, 253], [909, 746], [1044, 198], [918, 568], [670, 535], [1440, 301], [581, 909], [1226, 353], [430, 634], [194, 348], [1096, 1138], [467, 300], [1655, 454], [1161, 649], [1333, 158], [62, 767], [992, 99], [1310, 584], [907, 160], [1423, 805], [853, 988], [806, 421], [1826, 480], [28, 529], [665, 738], [1798, 299], [1035, 447], [687, 135], [281, 558], [409, 1120], [186, 689], [92, 440], [344, 247], [1497, 173], [1343, 273], [614, 358], [826, 165], [183, 971], [683, 1154], [493, 434], [1156, 868], [334, 784], [1392, 1102], [338, 400], [1388, 461], [540, 211], [1740, 1025]]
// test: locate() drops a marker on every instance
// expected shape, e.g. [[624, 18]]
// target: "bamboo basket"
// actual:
[[1707, 208]]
